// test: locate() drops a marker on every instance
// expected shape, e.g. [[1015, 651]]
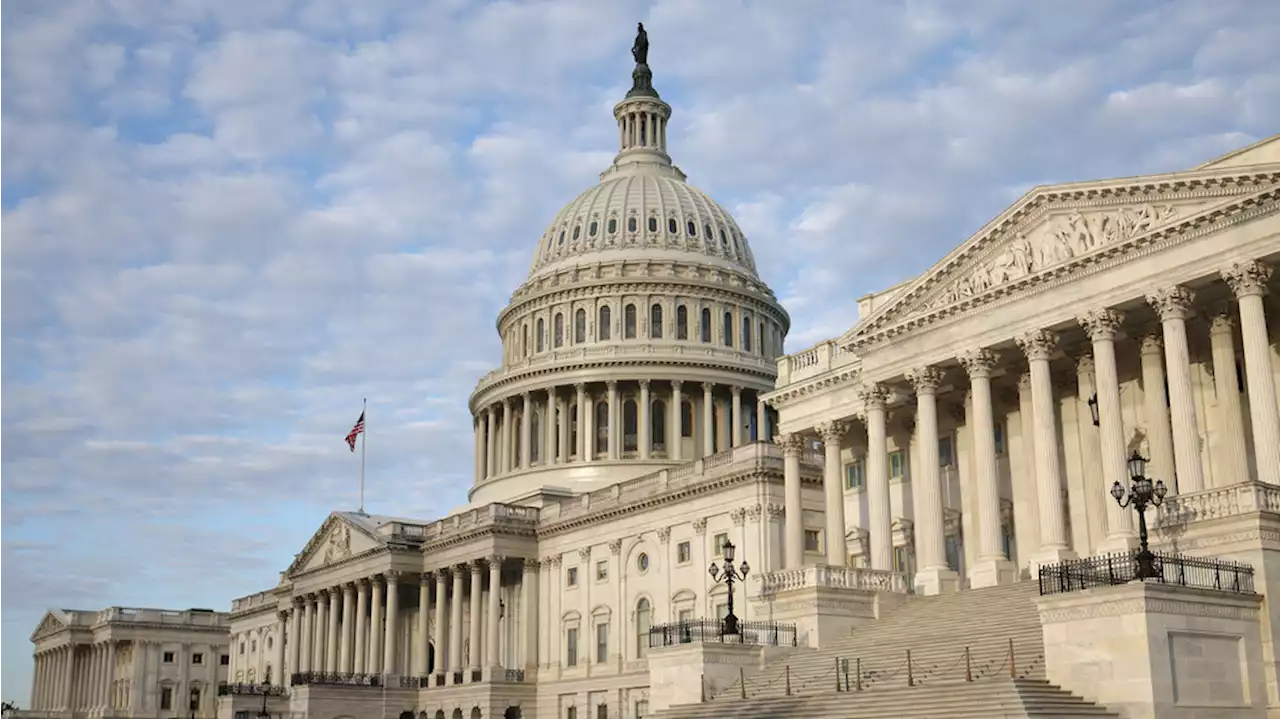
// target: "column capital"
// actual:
[[644, 383], [475, 566], [832, 432], [580, 387], [735, 390], [531, 565], [664, 535], [979, 362], [322, 593], [738, 516], [551, 392], [1152, 343], [362, 583], [775, 511], [525, 395], [298, 602], [1221, 321], [1101, 325], [615, 546], [792, 444], [925, 380], [424, 579], [495, 560], [1247, 278], [611, 385], [707, 387], [675, 384], [873, 396], [700, 526], [442, 574], [392, 575], [1172, 303], [1038, 344]]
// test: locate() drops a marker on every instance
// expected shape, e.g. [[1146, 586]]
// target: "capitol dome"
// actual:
[[643, 337]]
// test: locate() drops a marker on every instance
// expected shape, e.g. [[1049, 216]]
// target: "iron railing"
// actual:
[[1074, 575], [335, 679], [238, 688], [773, 634]]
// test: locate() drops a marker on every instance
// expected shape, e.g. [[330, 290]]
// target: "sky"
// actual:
[[225, 222]]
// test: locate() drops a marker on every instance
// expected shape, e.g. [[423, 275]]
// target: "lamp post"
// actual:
[[1142, 492], [728, 574], [266, 690]]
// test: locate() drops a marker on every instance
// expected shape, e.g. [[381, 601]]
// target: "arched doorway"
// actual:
[[511, 713]]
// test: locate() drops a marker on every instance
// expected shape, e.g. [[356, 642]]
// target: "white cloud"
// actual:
[[227, 222]]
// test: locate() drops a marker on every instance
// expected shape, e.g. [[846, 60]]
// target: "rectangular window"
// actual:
[[999, 432], [571, 647], [602, 570], [571, 577], [166, 698], [946, 451], [602, 643], [683, 553], [242, 715], [225, 660], [722, 610], [953, 552], [717, 543], [897, 465], [642, 708], [571, 713], [197, 658], [853, 477], [602, 711], [167, 658], [684, 615], [813, 540], [901, 561]]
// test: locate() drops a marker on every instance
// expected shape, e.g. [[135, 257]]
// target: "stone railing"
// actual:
[[187, 617], [491, 514], [822, 357], [630, 349], [253, 601], [1219, 502], [822, 575]]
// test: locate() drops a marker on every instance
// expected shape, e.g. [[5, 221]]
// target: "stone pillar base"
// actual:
[[1049, 556], [1120, 544], [937, 580], [824, 602], [992, 572], [696, 672]]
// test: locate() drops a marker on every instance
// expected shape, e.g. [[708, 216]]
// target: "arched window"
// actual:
[[692, 228], [580, 326], [644, 621], [728, 329], [672, 227], [573, 430], [761, 337], [630, 439], [559, 330], [706, 325], [613, 226], [603, 327], [631, 224], [658, 425], [653, 224], [629, 322], [525, 348], [602, 427], [682, 322], [540, 339], [535, 433], [686, 419], [655, 321], [746, 334]]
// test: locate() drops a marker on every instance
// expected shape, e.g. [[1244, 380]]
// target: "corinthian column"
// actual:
[[505, 463], [392, 631], [793, 542], [455, 623], [644, 425], [992, 567], [1102, 326], [374, 663], [526, 430], [474, 643], [441, 639], [495, 597], [331, 643], [1155, 408], [321, 631], [586, 439], [934, 576], [675, 427], [611, 389], [551, 419], [424, 609], [307, 636], [491, 443], [880, 510], [708, 420], [1173, 304], [295, 630], [1038, 346], [735, 416], [360, 664], [832, 433], [1248, 280], [1234, 466], [344, 631]]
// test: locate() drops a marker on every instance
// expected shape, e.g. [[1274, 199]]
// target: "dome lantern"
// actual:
[[642, 119]]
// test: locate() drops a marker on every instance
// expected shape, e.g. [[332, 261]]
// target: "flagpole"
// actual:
[[364, 409]]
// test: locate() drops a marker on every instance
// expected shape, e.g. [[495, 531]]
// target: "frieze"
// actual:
[[816, 385], [1147, 605]]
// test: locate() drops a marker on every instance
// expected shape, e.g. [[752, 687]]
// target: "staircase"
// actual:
[[1001, 674]]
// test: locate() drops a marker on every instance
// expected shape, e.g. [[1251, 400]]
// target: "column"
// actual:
[[455, 622], [360, 662], [442, 641], [374, 663], [1102, 326], [880, 510], [505, 463], [551, 420], [793, 535], [1156, 410], [562, 411], [762, 419], [424, 609], [282, 620], [992, 567], [529, 613], [675, 426], [64, 679], [474, 643], [478, 452], [332, 639], [491, 449], [612, 388], [1038, 346], [495, 596], [392, 630], [348, 623], [1092, 484], [735, 417], [526, 430], [644, 430], [1173, 304], [111, 673], [321, 631], [1248, 280], [832, 433], [1233, 467], [708, 422], [307, 636], [933, 575], [295, 630], [587, 411]]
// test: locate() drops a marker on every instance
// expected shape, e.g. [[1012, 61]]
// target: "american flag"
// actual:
[[355, 432]]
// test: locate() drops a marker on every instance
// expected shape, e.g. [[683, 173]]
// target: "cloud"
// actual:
[[226, 223]]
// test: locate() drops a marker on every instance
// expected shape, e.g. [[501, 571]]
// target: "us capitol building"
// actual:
[[922, 503]]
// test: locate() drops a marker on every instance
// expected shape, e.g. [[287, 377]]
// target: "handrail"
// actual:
[[1076, 575]]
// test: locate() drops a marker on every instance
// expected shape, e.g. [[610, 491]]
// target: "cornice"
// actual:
[[814, 385]]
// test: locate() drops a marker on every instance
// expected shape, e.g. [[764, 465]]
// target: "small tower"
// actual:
[[642, 119]]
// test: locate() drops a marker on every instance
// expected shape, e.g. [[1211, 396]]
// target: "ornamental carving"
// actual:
[[832, 432], [700, 525], [925, 380], [1247, 278], [615, 546], [1038, 345], [775, 511], [339, 544], [755, 512], [584, 553], [739, 516], [1101, 325], [792, 444], [1172, 303], [873, 396], [664, 535], [1222, 322], [1152, 344], [1061, 240], [979, 362]]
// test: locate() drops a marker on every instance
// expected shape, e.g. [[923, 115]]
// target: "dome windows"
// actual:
[[631, 224], [580, 326], [592, 228], [653, 224], [672, 226], [540, 336], [612, 227], [562, 237], [577, 232], [603, 325], [655, 321], [682, 323], [728, 329], [707, 229], [692, 229], [629, 322], [559, 331], [706, 326]]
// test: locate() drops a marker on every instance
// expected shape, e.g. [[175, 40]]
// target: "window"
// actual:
[[644, 621], [946, 452], [717, 543], [225, 660], [999, 432], [897, 465], [722, 610], [746, 334], [642, 562], [241, 648], [682, 322], [571, 647], [571, 713], [653, 224], [901, 560], [952, 549], [198, 658], [691, 228], [630, 425], [580, 326], [684, 616], [672, 227], [540, 341], [253, 646], [559, 330], [602, 427], [658, 424], [602, 643], [167, 658], [812, 540], [571, 577], [853, 477], [602, 325], [166, 698], [602, 711], [684, 553], [524, 348], [591, 229], [535, 437], [562, 237], [629, 322], [760, 343], [728, 329], [612, 226], [631, 224], [602, 570], [577, 231], [707, 230], [706, 325], [655, 321], [642, 708], [686, 419]]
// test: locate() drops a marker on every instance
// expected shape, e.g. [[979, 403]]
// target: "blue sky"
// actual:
[[227, 222]]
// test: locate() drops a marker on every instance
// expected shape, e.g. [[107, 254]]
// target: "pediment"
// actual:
[[53, 621], [1053, 231], [336, 539]]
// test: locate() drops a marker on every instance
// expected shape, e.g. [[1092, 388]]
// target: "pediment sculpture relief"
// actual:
[[1062, 239], [339, 544]]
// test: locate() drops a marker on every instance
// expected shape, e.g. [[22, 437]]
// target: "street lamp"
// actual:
[[728, 574], [1142, 492], [266, 690]]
